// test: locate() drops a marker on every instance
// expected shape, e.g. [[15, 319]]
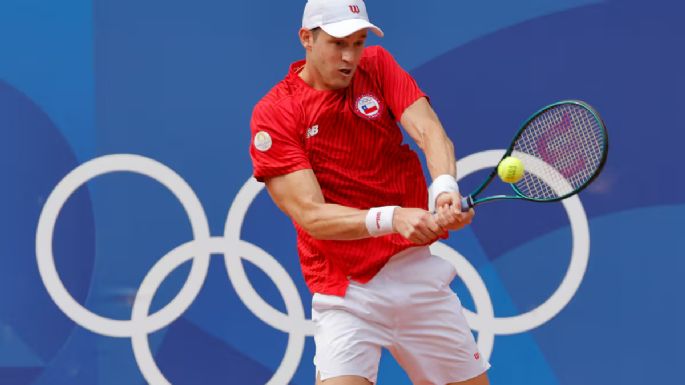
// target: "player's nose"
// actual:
[[347, 55]]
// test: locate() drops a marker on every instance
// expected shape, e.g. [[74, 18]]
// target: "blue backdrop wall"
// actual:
[[135, 247]]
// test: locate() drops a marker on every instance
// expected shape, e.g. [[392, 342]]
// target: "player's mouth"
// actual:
[[346, 71]]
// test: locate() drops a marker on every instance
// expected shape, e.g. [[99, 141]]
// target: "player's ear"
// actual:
[[306, 38]]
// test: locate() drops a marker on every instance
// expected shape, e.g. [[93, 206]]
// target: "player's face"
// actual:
[[334, 60]]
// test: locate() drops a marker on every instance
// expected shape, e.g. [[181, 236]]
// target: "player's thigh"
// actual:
[[343, 380], [478, 380]]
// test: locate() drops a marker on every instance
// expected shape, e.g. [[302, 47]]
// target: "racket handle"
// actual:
[[466, 203]]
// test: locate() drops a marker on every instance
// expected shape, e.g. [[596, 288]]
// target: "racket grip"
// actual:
[[466, 203]]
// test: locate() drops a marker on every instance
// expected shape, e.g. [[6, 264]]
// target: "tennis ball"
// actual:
[[510, 169]]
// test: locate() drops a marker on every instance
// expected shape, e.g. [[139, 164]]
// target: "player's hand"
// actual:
[[448, 213], [416, 225]]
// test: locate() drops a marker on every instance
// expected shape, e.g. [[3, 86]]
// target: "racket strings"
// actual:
[[562, 149]]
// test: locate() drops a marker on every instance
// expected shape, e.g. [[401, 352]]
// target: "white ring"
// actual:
[[48, 218]]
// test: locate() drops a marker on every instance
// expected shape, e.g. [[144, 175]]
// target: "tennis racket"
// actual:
[[563, 148]]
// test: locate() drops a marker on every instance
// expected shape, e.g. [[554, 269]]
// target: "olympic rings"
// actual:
[[234, 249]]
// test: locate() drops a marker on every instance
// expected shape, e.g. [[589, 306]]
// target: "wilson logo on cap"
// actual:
[[338, 18]]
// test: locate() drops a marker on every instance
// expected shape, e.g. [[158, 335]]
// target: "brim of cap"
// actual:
[[347, 27]]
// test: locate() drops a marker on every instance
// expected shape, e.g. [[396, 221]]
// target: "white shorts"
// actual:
[[408, 308]]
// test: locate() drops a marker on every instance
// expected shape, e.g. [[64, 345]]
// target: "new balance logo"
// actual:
[[354, 8], [313, 130]]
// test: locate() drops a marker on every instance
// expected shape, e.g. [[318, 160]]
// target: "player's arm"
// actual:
[[422, 124], [299, 195]]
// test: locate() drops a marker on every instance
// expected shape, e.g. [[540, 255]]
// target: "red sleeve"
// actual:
[[399, 88], [276, 147]]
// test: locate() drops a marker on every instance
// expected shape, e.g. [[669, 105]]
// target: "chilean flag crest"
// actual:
[[368, 106]]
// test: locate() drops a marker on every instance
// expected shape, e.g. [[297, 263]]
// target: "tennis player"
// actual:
[[326, 143]]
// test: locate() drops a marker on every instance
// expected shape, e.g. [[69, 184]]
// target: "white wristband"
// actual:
[[441, 184], [379, 220]]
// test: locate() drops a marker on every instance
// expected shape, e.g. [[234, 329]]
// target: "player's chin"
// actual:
[[341, 83], [337, 85], [341, 80]]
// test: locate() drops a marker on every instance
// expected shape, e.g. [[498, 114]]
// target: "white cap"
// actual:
[[338, 18]]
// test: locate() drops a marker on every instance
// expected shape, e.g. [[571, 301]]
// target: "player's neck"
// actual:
[[313, 78]]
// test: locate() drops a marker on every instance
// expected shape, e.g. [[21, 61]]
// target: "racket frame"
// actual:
[[471, 200]]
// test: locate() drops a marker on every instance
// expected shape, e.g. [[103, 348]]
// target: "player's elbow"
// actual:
[[309, 220], [316, 233], [315, 230]]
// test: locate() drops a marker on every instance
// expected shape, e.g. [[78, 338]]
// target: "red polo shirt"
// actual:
[[351, 140]]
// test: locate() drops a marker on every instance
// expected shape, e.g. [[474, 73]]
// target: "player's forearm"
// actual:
[[333, 222], [437, 147], [423, 125], [299, 195], [439, 152]]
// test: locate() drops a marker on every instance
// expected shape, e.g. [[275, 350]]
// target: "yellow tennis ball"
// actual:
[[510, 169]]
